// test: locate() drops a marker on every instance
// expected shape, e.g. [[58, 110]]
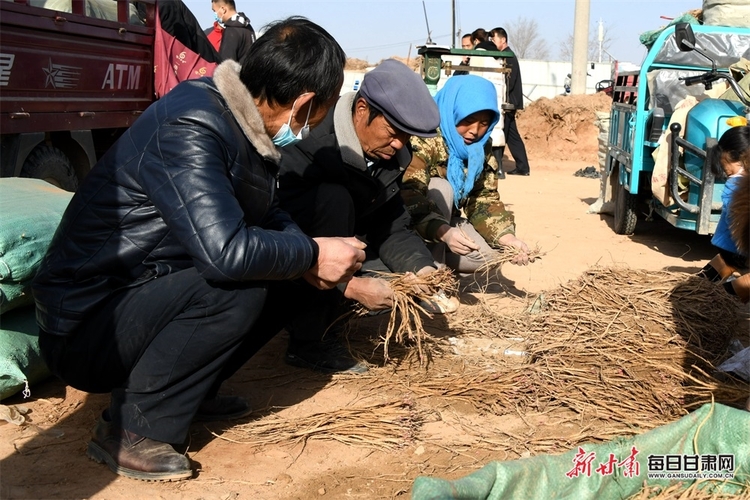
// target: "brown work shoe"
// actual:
[[134, 456]]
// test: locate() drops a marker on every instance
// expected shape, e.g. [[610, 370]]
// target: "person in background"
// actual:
[[214, 34], [182, 51], [501, 84], [452, 173], [478, 36], [466, 44], [499, 38], [739, 215], [237, 34], [343, 179], [155, 288], [729, 160]]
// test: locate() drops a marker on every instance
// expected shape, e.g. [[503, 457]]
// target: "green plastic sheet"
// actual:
[[31, 211], [649, 37], [710, 430], [21, 363]]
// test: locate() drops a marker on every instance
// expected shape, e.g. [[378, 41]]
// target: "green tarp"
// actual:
[[20, 360], [31, 211], [712, 430], [649, 37]]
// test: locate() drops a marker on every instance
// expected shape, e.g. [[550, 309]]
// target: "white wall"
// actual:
[[540, 78], [352, 81], [546, 78]]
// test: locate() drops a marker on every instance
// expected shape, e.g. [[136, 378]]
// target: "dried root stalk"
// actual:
[[384, 425], [409, 291], [507, 254], [624, 349]]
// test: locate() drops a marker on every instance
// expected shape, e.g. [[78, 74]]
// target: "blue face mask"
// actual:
[[218, 19], [285, 136]]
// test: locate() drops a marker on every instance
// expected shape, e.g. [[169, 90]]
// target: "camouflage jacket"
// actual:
[[482, 207]]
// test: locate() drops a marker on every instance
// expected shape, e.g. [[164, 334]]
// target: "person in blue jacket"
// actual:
[[728, 159]]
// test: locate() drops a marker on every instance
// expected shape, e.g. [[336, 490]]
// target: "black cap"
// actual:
[[401, 95]]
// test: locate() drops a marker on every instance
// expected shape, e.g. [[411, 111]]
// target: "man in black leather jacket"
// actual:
[[344, 179], [154, 286]]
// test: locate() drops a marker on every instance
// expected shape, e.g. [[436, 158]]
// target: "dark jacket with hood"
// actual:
[[237, 38], [332, 154], [190, 184]]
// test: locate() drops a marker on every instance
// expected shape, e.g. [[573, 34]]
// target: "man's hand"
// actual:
[[456, 240], [338, 260], [373, 293], [510, 240], [411, 278]]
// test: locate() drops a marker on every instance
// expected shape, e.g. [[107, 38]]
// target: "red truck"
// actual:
[[70, 83], [74, 74]]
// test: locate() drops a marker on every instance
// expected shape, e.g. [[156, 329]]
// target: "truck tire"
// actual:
[[50, 164], [625, 211]]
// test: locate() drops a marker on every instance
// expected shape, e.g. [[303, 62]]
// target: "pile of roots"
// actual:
[[629, 349], [616, 352]]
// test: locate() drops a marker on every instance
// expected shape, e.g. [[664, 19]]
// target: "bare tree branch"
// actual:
[[525, 39]]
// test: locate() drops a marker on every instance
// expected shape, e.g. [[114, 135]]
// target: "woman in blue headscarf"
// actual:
[[454, 174]]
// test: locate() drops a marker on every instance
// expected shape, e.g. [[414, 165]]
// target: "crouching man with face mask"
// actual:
[[155, 286], [344, 179]]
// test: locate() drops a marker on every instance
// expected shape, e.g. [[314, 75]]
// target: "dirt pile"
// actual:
[[563, 128], [354, 64]]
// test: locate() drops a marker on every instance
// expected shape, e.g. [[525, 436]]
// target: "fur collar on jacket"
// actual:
[[243, 108], [351, 149]]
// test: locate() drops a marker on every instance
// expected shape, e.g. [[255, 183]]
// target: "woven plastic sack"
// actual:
[[31, 211], [21, 363], [727, 13], [740, 71], [13, 295], [715, 430]]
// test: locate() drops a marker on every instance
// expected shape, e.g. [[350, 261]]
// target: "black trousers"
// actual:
[[163, 347], [325, 210], [736, 260], [514, 142], [309, 313]]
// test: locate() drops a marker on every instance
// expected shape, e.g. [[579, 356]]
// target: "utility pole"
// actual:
[[601, 38], [580, 47], [453, 23]]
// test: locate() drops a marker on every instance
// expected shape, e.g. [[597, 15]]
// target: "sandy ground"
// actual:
[[46, 458]]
